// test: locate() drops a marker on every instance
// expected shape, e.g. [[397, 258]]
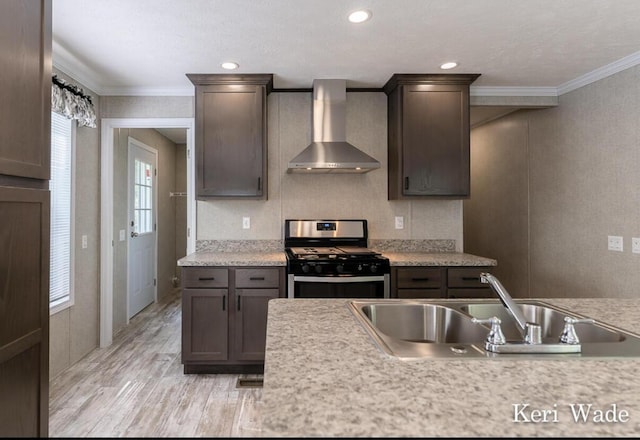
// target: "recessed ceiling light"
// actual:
[[229, 65], [359, 16], [449, 65]]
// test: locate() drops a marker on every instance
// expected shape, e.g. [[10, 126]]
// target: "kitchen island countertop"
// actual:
[[324, 376]]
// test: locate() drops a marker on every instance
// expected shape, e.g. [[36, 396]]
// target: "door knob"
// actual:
[[134, 234]]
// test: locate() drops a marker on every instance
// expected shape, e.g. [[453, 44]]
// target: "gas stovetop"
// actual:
[[316, 253], [331, 248], [335, 261]]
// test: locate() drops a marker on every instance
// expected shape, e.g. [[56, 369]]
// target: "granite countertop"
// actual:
[[278, 258], [437, 259], [324, 376], [225, 258]]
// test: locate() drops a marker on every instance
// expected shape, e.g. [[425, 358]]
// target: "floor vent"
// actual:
[[251, 382]]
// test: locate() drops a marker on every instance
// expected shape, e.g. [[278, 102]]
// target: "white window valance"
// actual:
[[71, 102]]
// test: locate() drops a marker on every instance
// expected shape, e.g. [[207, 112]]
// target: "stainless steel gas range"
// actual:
[[330, 259]]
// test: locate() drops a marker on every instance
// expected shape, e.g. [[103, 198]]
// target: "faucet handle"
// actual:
[[495, 336], [569, 335]]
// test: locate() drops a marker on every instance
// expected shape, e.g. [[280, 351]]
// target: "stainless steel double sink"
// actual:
[[445, 329]]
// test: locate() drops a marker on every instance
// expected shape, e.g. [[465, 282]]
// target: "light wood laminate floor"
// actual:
[[136, 388]]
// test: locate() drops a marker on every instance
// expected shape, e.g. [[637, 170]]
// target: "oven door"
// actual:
[[304, 286]]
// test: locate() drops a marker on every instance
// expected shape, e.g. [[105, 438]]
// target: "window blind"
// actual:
[[61, 205]]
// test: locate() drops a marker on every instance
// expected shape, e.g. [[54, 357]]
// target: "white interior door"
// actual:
[[141, 270]]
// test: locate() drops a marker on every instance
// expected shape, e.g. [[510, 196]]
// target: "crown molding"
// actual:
[[600, 73], [513, 91], [70, 65]]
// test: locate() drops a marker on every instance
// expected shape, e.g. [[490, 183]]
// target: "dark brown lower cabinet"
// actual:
[[439, 282], [24, 312], [205, 320], [224, 317]]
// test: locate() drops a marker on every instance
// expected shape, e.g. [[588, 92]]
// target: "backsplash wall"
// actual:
[[328, 195]]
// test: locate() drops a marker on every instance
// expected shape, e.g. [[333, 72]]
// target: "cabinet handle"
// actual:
[[239, 302], [206, 278], [256, 278], [224, 302], [406, 182], [259, 184], [470, 278], [420, 279]]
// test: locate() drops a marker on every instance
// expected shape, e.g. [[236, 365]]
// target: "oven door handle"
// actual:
[[354, 279]]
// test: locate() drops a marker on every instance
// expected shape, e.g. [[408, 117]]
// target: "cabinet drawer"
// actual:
[[204, 277], [419, 293], [469, 293], [467, 277], [415, 278], [257, 278]]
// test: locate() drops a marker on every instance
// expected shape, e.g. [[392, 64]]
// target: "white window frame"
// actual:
[[66, 302]]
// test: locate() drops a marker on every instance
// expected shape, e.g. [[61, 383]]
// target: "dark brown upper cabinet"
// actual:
[[231, 135], [428, 130], [25, 95]]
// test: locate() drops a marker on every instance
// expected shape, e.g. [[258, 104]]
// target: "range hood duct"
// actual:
[[330, 152]]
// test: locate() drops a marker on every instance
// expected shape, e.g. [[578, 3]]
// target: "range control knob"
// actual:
[[340, 268], [373, 268], [305, 268], [318, 268]]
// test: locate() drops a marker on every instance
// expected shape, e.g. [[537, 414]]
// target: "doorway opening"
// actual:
[[174, 160]]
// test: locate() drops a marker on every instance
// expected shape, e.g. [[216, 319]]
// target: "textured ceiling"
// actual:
[[124, 45]]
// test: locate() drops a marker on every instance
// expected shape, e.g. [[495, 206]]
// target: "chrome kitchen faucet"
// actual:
[[531, 331]]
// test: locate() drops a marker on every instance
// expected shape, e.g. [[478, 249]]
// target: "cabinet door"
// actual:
[[231, 141], [435, 136], [205, 323], [25, 113], [24, 312], [250, 326]]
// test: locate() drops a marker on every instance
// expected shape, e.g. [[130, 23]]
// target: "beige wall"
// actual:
[[74, 331], [166, 215], [582, 162], [496, 216], [328, 195], [147, 107]]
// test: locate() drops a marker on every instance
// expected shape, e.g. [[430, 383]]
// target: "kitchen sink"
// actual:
[[414, 328], [424, 323]]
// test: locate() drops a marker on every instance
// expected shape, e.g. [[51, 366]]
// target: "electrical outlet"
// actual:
[[399, 222], [246, 222], [635, 245], [615, 243], [84, 242]]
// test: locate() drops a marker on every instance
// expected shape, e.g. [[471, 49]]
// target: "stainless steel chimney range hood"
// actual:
[[330, 152]]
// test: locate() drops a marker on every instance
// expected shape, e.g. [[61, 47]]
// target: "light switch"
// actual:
[[122, 234], [399, 222], [635, 245], [84, 242]]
